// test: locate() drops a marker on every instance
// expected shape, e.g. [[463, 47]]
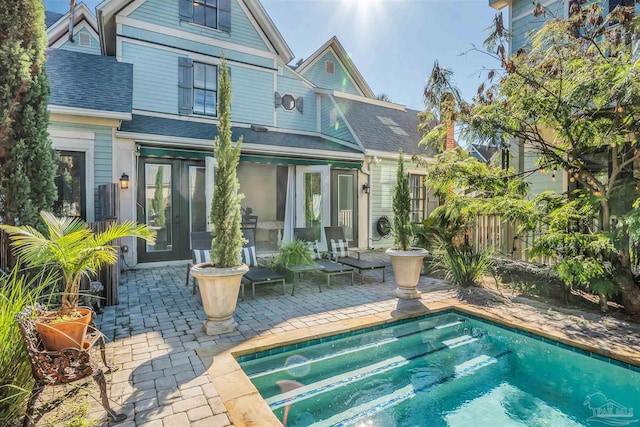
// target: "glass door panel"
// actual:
[[313, 202], [71, 182], [346, 205], [158, 205]]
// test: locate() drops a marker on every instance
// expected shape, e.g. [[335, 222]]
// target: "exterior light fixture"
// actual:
[[124, 181], [366, 188], [376, 160]]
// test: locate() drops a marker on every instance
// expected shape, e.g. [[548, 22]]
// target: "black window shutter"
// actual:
[[185, 85], [277, 100], [224, 15], [300, 103], [186, 10]]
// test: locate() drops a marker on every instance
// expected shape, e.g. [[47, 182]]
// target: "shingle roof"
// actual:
[[94, 82], [184, 129], [51, 18], [383, 129]]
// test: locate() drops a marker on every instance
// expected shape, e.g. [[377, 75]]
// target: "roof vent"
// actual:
[[299, 63], [257, 128], [387, 121]]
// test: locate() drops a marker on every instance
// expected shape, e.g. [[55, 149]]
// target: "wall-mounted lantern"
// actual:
[[124, 181]]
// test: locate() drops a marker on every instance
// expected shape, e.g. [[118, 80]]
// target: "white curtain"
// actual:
[[290, 206]]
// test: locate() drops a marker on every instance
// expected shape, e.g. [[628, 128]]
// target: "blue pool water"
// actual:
[[444, 370]]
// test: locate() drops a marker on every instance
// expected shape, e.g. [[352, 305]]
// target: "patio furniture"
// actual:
[[330, 268], [65, 366], [339, 250], [200, 247], [299, 269], [257, 274], [273, 226], [249, 222]]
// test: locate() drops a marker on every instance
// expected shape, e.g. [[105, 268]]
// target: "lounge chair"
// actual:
[[339, 250], [330, 268], [257, 274]]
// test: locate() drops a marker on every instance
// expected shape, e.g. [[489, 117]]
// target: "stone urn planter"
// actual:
[[407, 266], [219, 289]]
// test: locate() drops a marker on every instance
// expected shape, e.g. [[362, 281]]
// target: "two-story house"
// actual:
[[134, 95]]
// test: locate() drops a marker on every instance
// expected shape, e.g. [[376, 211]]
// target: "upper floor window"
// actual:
[[288, 102], [210, 13], [205, 88], [205, 12]]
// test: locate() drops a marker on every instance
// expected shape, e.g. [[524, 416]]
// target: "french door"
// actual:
[[313, 202], [344, 203], [172, 201]]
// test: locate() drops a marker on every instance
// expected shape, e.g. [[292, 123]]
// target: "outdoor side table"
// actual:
[[302, 269]]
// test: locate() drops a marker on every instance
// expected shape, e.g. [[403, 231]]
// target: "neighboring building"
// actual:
[[484, 153], [139, 98], [521, 24]]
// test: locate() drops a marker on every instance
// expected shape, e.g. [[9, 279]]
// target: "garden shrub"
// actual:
[[16, 293]]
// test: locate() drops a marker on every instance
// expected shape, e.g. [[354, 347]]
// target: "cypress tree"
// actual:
[[27, 160], [226, 215], [402, 231]]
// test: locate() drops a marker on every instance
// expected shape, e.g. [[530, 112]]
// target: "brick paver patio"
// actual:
[[155, 330]]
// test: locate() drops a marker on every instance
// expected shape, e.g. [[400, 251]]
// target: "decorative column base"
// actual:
[[405, 293], [218, 327]]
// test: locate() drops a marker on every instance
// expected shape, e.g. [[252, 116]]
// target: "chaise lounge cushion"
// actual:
[[339, 248], [249, 256]]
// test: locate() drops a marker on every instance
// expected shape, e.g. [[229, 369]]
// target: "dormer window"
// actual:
[[205, 12], [330, 67]]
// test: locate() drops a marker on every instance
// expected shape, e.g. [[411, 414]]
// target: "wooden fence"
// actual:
[[493, 233]]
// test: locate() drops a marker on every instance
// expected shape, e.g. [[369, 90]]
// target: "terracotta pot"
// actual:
[[219, 289], [64, 334], [407, 266]]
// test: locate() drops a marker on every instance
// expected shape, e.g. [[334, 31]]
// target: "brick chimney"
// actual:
[[450, 142]]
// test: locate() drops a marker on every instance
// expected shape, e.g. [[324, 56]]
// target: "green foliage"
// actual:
[[27, 161], [226, 215], [294, 254], [157, 204], [402, 229], [70, 245], [572, 96], [460, 264], [16, 293]]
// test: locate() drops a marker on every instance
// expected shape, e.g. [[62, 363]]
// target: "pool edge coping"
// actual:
[[245, 405]]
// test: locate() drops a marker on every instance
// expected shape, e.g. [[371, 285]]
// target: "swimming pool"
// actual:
[[448, 369]]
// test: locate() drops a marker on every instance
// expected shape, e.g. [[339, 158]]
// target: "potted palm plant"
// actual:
[[76, 251], [219, 280], [405, 259]]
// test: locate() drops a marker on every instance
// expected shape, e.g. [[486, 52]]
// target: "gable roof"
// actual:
[[334, 45], [108, 9], [381, 128], [85, 81], [51, 18], [482, 152], [60, 27]]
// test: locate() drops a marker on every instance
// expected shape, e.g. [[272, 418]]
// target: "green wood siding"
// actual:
[[383, 181], [339, 129], [103, 152], [167, 13], [193, 46], [305, 121], [538, 181], [340, 80]]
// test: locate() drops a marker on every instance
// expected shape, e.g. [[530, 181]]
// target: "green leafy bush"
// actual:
[[294, 253], [460, 264], [16, 293]]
